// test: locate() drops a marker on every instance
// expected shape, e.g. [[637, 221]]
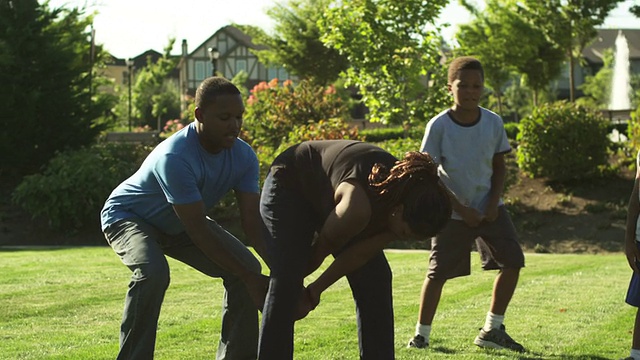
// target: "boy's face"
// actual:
[[467, 89], [220, 122]]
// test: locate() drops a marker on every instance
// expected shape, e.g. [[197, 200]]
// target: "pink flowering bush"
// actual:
[[278, 114], [171, 127]]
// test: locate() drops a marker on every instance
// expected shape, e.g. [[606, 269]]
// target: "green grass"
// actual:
[[66, 303]]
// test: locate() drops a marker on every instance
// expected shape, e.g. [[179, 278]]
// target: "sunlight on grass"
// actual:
[[66, 303]]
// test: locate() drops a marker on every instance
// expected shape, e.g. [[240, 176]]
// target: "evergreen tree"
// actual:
[[46, 62]]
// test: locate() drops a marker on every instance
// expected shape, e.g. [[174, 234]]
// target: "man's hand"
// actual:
[[257, 286]]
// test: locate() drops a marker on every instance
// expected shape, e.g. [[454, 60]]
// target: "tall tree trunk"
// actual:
[[571, 77]]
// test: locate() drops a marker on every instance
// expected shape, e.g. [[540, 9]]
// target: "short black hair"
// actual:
[[212, 87], [463, 63]]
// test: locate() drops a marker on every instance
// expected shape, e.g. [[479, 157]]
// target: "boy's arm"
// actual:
[[470, 216], [497, 186], [633, 210]]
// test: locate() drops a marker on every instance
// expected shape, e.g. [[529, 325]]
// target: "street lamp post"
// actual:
[[129, 76], [214, 54]]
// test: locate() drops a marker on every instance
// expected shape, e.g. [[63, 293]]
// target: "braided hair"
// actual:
[[414, 183]]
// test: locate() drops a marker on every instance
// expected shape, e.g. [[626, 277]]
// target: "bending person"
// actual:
[[349, 199]]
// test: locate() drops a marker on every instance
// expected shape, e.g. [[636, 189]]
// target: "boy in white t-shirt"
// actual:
[[632, 250], [469, 142]]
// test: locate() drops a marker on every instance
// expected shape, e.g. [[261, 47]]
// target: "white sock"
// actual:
[[424, 330], [493, 321], [635, 353]]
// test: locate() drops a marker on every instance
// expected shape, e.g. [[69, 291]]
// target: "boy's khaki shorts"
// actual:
[[496, 241]]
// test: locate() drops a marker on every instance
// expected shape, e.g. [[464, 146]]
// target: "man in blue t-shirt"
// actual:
[[161, 210]]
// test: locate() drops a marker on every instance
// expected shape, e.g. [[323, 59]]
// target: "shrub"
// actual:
[[73, 186], [633, 133], [398, 147], [273, 111], [390, 133], [562, 142], [512, 130]]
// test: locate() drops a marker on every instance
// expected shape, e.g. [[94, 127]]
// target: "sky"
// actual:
[[127, 28]]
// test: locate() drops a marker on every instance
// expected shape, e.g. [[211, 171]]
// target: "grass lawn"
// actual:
[[66, 303]]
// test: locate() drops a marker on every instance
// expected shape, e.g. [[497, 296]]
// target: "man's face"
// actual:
[[467, 89], [220, 122]]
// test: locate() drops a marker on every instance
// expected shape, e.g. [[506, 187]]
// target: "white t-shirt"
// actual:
[[465, 153]]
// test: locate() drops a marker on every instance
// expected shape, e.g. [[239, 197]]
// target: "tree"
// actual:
[[570, 24], [154, 99], [295, 42], [491, 35], [635, 10], [488, 37], [48, 96], [394, 60], [597, 87]]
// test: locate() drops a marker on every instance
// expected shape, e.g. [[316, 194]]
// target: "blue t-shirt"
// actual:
[[180, 171]]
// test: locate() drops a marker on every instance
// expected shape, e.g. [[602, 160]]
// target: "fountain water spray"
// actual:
[[620, 86]]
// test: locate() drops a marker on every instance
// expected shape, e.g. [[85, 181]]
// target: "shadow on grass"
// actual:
[[12, 248], [530, 355]]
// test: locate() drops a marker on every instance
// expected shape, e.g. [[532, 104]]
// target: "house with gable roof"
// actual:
[[234, 55]]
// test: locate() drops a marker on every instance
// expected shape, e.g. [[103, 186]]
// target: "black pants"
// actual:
[[290, 228]]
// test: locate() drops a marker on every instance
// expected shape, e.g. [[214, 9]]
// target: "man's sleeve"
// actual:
[[177, 180], [249, 181]]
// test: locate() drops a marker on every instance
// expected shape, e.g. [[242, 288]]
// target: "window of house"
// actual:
[[282, 74], [241, 65], [272, 73], [201, 70]]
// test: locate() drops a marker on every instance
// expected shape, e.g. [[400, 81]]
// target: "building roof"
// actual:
[[240, 36], [606, 39]]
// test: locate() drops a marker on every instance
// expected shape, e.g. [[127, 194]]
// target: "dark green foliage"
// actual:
[[71, 190], [398, 147], [390, 133], [45, 72], [295, 42], [563, 142], [155, 97], [512, 130]]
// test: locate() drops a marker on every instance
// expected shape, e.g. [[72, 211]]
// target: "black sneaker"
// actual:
[[497, 339], [418, 342]]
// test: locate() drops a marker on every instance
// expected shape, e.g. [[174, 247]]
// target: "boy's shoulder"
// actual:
[[489, 114]]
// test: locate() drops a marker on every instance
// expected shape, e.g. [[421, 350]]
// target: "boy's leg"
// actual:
[[136, 242], [633, 298], [371, 289], [430, 298], [636, 332], [239, 331], [449, 258], [499, 250], [503, 288]]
